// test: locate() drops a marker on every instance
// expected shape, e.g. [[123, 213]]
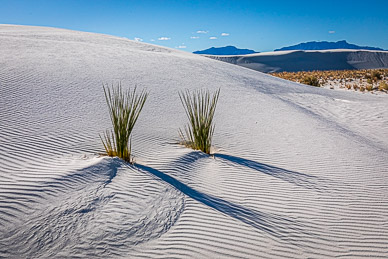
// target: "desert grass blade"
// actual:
[[124, 110], [200, 107]]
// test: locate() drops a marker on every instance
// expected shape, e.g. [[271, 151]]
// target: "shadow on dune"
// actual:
[[277, 226], [188, 159], [297, 178], [101, 173]]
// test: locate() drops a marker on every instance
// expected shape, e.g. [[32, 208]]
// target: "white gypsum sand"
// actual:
[[298, 171], [309, 60]]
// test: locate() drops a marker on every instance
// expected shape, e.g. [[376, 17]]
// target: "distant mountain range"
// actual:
[[228, 50], [323, 45]]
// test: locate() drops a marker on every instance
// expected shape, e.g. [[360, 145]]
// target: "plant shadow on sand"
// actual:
[[84, 177], [297, 178], [275, 225]]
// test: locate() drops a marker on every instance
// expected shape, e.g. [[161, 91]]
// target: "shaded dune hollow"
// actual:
[[297, 171]]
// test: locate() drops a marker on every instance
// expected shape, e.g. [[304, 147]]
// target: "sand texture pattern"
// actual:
[[298, 171]]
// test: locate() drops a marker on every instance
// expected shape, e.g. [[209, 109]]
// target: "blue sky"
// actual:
[[196, 25]]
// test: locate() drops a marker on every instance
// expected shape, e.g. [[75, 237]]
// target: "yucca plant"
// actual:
[[124, 109], [200, 107]]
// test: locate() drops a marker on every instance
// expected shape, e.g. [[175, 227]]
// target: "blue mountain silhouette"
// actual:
[[321, 45], [228, 50]]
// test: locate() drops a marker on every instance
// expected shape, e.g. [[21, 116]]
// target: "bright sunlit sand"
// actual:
[[297, 171]]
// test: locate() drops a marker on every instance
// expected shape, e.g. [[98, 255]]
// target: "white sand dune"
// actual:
[[299, 171], [309, 60]]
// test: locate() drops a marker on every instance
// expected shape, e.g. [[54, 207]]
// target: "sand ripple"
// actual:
[[296, 172]]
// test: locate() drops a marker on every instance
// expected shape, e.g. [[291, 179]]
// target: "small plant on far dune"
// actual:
[[376, 75], [200, 107], [383, 86], [310, 80], [124, 109]]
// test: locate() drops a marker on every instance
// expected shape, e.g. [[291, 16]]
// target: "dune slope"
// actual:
[[299, 60], [298, 171]]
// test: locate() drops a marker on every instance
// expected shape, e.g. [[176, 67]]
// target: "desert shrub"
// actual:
[[200, 107], [124, 110], [310, 80], [369, 87], [343, 78], [383, 86], [376, 75], [362, 89]]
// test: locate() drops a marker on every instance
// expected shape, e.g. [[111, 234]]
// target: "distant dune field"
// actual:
[[298, 60]]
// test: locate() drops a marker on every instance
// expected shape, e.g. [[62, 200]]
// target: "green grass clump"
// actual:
[[200, 107], [124, 109]]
